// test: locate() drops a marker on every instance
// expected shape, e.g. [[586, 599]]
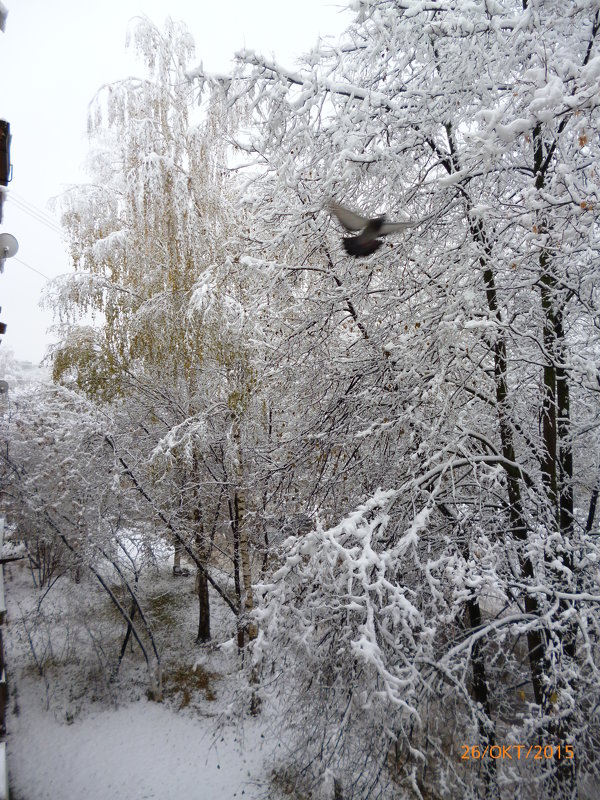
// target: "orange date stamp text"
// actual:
[[516, 752]]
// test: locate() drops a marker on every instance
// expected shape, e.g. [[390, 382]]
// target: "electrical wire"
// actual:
[[33, 206], [37, 214], [33, 269], [37, 217]]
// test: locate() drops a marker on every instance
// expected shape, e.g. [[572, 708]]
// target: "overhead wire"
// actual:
[[42, 212], [36, 213], [33, 269], [55, 230], [39, 216]]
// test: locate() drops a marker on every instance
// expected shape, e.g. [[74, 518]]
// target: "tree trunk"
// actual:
[[536, 638], [201, 576], [247, 596], [177, 558], [241, 541], [557, 475], [203, 607]]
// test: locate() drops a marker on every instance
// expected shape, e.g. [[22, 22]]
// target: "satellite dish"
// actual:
[[9, 246]]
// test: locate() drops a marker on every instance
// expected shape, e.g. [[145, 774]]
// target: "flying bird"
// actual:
[[368, 239]]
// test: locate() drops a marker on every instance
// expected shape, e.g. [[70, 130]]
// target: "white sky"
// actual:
[[54, 56]]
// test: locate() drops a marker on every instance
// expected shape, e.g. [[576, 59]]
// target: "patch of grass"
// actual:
[[182, 683], [109, 609], [286, 782], [162, 608]]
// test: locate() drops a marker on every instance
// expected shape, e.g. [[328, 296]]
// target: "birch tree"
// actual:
[[154, 255]]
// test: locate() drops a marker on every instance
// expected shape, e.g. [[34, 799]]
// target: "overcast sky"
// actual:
[[54, 55]]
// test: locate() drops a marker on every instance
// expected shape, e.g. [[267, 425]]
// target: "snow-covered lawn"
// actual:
[[74, 732], [143, 750]]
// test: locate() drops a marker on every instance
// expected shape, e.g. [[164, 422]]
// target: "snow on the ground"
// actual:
[[143, 750], [70, 735]]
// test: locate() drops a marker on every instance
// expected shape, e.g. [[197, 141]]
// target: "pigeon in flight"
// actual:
[[368, 239]]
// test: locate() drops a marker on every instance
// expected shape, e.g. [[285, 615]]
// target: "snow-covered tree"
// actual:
[[456, 368], [62, 486], [433, 407], [151, 240]]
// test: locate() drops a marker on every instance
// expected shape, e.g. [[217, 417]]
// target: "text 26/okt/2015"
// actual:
[[516, 752]]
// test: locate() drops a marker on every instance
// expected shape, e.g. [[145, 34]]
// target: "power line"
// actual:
[[53, 227], [33, 206], [33, 269], [37, 216]]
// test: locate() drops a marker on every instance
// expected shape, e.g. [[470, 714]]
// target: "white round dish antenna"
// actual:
[[9, 246]]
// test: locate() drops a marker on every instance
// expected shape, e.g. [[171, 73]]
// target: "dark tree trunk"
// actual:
[[203, 607], [201, 577]]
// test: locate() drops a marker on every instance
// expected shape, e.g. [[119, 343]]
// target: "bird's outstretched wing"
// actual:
[[394, 227], [350, 220]]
